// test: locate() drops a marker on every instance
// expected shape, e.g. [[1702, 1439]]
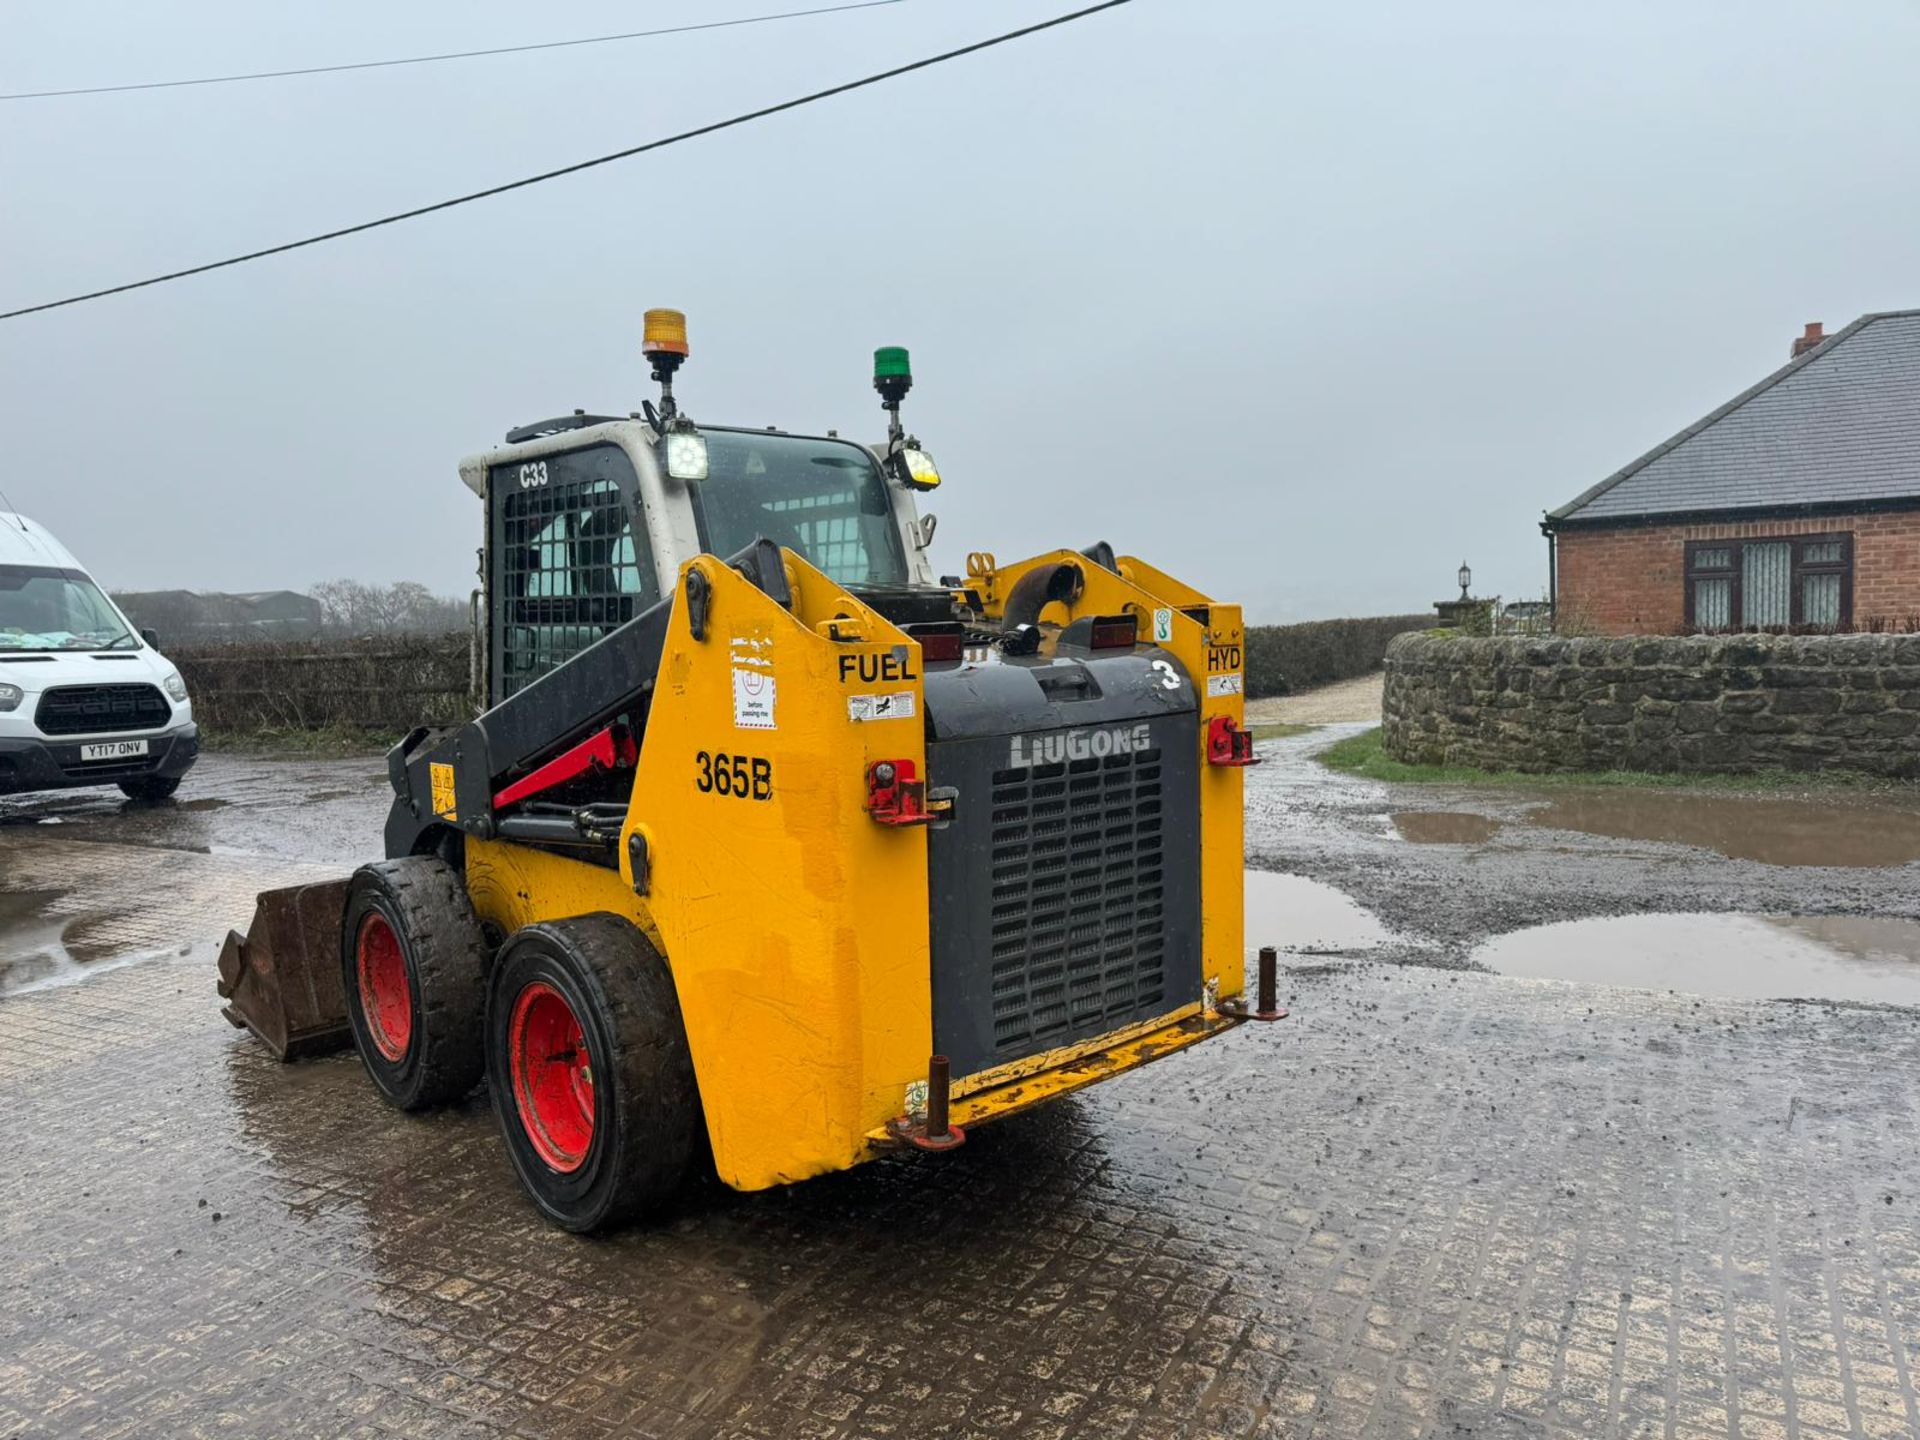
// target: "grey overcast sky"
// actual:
[[1304, 301]]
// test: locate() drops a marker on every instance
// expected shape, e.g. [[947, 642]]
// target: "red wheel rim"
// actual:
[[552, 1076], [386, 995]]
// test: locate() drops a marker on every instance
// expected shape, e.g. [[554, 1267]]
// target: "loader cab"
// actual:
[[585, 529]]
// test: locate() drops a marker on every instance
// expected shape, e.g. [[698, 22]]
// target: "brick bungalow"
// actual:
[[1797, 503]]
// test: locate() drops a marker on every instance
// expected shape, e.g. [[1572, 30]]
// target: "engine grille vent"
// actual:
[[1078, 933], [101, 709]]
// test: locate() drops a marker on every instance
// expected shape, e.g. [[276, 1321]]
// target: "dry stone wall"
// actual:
[[1707, 704]]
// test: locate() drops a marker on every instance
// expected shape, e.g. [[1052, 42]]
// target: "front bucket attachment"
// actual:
[[282, 978]]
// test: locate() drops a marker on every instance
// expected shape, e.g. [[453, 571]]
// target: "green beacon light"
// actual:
[[892, 373], [893, 378]]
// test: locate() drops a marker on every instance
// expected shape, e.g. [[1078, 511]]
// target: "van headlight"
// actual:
[[10, 696], [176, 687]]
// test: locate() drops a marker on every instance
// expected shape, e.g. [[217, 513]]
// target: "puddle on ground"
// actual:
[[1444, 827], [1748, 957], [1303, 916], [31, 947], [52, 969], [1774, 832], [23, 907], [39, 951]]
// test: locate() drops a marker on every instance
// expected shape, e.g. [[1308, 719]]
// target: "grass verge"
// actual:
[[1364, 755]]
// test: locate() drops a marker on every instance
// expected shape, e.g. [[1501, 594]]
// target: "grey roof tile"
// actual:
[[1840, 423]]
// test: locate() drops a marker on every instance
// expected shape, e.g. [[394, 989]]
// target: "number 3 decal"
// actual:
[[1169, 677]]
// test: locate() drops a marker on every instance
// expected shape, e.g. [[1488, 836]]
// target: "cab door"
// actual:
[[566, 565]]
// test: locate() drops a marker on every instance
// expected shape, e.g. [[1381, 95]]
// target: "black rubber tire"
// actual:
[[150, 787], [648, 1129], [425, 903]]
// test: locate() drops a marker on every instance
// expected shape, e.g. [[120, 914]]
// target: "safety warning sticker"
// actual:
[[897, 706], [1223, 684], [1162, 626], [441, 778], [752, 700]]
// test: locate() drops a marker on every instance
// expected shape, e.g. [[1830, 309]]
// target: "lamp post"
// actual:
[[1465, 577]]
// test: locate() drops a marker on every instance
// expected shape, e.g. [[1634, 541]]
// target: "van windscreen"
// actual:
[[43, 608]]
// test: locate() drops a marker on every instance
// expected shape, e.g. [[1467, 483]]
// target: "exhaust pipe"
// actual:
[[1037, 589]]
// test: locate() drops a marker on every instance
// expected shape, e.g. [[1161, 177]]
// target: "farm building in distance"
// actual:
[[207, 617]]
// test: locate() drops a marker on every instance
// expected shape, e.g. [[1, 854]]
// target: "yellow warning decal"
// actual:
[[442, 776]]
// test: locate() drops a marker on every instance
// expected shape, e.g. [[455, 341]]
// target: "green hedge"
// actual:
[[1283, 659]]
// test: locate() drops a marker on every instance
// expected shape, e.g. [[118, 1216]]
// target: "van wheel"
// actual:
[[591, 1077], [414, 971], [149, 787]]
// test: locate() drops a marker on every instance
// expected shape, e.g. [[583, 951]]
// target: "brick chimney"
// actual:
[[1816, 333]]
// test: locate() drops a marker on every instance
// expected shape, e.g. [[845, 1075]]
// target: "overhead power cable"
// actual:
[[450, 55], [574, 169]]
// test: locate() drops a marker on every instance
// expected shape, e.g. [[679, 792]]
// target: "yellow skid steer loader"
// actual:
[[769, 845]]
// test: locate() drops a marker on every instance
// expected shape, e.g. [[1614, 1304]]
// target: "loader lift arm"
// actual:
[[470, 777]]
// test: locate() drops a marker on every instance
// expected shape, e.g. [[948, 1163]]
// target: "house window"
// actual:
[[1771, 583]]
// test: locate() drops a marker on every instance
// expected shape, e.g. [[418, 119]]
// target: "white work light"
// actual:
[[922, 473], [686, 455]]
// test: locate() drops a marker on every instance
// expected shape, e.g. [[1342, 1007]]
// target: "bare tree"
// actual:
[[353, 607]]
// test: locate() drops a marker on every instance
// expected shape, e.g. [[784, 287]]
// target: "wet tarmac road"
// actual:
[[1432, 1203]]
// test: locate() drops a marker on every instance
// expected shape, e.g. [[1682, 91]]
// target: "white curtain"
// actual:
[[1766, 584], [1820, 599], [1712, 604]]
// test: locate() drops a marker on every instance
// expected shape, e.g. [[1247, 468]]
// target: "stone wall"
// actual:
[[1702, 704], [1286, 659]]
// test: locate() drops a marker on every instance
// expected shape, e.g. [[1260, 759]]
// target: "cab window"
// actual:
[[568, 567], [825, 499]]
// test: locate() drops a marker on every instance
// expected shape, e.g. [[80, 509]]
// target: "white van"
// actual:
[[84, 699]]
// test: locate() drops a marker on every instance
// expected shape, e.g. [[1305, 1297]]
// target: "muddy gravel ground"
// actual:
[[1432, 1203], [1489, 860]]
